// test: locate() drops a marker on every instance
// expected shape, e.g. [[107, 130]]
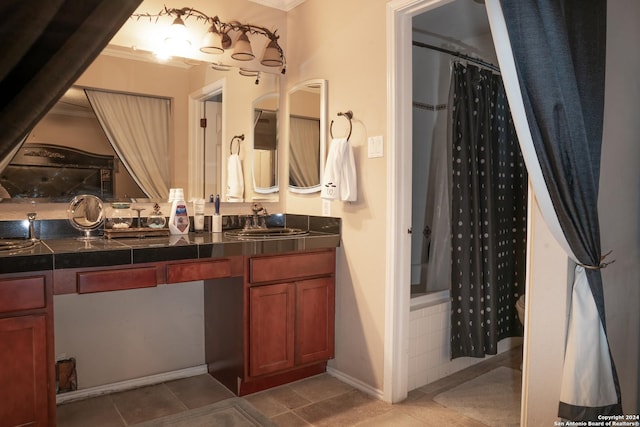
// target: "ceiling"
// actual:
[[454, 22]]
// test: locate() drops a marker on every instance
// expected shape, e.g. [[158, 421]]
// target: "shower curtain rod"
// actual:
[[459, 55]]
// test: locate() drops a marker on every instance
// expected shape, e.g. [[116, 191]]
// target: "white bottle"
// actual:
[[198, 214], [179, 218]]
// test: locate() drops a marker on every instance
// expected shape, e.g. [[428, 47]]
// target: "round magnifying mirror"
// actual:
[[86, 213]]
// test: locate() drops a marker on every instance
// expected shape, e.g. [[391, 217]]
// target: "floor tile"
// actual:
[[432, 414], [343, 410], [289, 419], [147, 403], [96, 412], [266, 404], [199, 390], [317, 401], [393, 418], [286, 396], [320, 387]]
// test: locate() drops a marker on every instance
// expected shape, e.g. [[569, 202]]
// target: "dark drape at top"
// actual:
[[46, 45], [488, 214], [559, 52]]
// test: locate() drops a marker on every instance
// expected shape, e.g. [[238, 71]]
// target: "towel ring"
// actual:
[[240, 138], [349, 116]]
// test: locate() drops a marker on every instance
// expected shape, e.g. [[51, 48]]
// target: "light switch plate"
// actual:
[[326, 207], [375, 146]]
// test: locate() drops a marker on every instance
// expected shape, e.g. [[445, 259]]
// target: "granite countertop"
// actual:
[[71, 252]]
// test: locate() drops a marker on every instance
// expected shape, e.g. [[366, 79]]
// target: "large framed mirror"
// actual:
[[307, 135], [71, 126], [127, 65]]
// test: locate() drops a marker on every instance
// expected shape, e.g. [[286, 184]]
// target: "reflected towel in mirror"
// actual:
[[235, 179], [339, 177]]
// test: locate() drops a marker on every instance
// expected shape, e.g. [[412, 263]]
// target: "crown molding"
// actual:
[[285, 5]]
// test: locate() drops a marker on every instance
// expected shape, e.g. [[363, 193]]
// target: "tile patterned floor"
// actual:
[[318, 401]]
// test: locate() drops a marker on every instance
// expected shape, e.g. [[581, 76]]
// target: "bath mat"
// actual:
[[233, 412], [492, 398]]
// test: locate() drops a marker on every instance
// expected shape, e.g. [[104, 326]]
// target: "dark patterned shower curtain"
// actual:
[[488, 214]]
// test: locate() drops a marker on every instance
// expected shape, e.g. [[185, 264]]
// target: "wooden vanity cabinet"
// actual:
[[273, 325], [290, 317], [27, 374]]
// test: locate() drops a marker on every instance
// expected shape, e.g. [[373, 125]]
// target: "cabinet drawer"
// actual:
[[116, 280], [24, 293], [293, 266], [202, 270]]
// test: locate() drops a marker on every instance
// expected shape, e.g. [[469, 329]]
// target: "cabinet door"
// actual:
[[271, 328], [315, 309], [23, 371]]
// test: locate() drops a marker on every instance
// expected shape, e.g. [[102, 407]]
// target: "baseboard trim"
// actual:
[[129, 384], [365, 388]]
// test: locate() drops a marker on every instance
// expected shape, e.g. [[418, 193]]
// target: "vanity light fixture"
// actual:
[[250, 73], [243, 51], [177, 38], [219, 36]]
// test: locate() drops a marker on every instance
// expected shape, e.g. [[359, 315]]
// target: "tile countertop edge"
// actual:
[[73, 253], [65, 251]]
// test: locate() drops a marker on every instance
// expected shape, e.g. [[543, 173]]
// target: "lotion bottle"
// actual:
[[179, 218]]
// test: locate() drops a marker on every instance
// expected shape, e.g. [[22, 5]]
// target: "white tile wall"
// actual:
[[429, 346]]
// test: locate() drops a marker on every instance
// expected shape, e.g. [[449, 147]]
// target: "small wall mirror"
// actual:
[[307, 135], [265, 144]]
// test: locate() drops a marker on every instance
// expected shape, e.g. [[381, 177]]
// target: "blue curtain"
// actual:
[[559, 51], [488, 214]]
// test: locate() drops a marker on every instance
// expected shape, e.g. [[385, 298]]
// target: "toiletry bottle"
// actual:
[[216, 220], [198, 214], [179, 218]]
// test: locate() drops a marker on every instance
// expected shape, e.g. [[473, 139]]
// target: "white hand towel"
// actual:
[[339, 177], [235, 178]]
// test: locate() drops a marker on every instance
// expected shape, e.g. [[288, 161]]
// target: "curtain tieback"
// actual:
[[601, 265]]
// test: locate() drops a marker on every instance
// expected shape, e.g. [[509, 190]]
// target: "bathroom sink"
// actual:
[[263, 233], [15, 244]]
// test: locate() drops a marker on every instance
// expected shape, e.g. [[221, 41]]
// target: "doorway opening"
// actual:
[[206, 133], [462, 27]]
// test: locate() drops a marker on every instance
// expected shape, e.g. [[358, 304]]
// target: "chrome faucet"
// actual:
[[258, 219], [31, 216]]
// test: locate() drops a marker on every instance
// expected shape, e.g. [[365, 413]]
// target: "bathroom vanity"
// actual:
[[268, 305]]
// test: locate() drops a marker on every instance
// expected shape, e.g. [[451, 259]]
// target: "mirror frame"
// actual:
[[276, 187], [323, 84]]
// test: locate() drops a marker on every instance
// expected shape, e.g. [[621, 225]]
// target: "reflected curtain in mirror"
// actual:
[[47, 46], [138, 129], [304, 155], [265, 144]]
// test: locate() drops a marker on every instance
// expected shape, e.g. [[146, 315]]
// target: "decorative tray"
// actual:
[[114, 233]]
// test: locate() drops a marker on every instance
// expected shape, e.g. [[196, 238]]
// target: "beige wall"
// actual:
[[345, 43], [619, 199]]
